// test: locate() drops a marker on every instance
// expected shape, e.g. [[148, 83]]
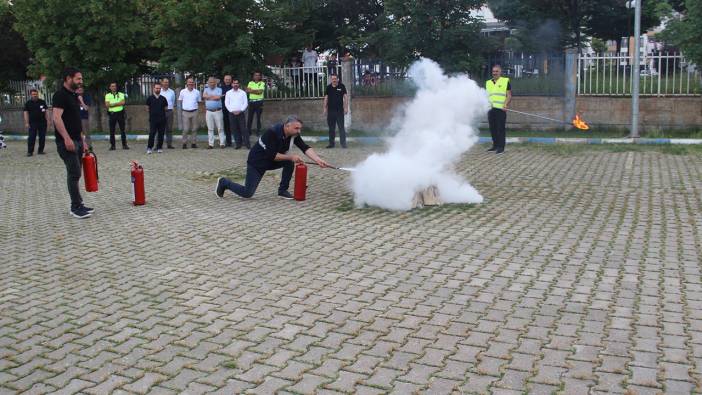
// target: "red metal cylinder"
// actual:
[[90, 172], [300, 182], [138, 190]]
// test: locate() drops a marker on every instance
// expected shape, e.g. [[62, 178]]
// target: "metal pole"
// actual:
[[637, 71]]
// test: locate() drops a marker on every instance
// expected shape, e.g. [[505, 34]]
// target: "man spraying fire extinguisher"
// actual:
[[271, 152]]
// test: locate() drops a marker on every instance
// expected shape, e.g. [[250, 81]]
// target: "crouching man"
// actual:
[[271, 152]]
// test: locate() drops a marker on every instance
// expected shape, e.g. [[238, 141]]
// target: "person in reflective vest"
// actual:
[[500, 94]]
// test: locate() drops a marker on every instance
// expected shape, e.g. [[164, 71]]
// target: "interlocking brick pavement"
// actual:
[[579, 274]]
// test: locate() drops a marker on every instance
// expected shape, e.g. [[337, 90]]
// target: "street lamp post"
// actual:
[[636, 74]]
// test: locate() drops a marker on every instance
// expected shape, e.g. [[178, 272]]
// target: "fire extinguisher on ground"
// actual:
[[300, 182], [138, 190], [90, 172]]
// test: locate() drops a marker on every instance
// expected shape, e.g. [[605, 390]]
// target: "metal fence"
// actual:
[[531, 74], [299, 82], [661, 74], [377, 78], [13, 94]]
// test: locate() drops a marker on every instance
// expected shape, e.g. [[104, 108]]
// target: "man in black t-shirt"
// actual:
[[70, 141], [36, 118], [157, 106], [271, 152], [336, 104]]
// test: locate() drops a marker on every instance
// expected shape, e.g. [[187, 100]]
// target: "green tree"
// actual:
[[338, 24], [685, 31], [571, 21], [212, 37], [107, 40], [445, 31], [16, 56], [598, 45]]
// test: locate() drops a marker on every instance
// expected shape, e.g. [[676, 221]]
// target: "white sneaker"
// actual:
[[160, 151], [148, 151]]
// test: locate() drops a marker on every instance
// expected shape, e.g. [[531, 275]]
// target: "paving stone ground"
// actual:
[[580, 274]]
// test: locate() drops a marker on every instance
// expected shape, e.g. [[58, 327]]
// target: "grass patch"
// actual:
[[232, 174], [578, 149], [229, 364]]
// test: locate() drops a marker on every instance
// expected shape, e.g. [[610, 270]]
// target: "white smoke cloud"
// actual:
[[435, 129]]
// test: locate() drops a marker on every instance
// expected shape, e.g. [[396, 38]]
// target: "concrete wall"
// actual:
[[375, 113]]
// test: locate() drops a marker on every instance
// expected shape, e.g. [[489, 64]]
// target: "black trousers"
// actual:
[[35, 129], [255, 108], [156, 127], [72, 160], [255, 174], [238, 125], [334, 119], [227, 127], [117, 118], [497, 119]]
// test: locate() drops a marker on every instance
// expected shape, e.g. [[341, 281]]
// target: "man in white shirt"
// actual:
[[236, 102], [309, 64], [170, 96], [189, 99]]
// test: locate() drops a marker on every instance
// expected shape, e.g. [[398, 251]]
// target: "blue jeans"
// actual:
[[254, 176]]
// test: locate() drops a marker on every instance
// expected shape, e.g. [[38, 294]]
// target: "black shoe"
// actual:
[[112, 148], [209, 147], [238, 146], [330, 146], [87, 209], [79, 212], [125, 147], [30, 153], [42, 152], [219, 188], [285, 195], [185, 146], [500, 151], [193, 145], [170, 146], [492, 149]]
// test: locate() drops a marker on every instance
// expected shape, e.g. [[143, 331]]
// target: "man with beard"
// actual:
[[70, 140]]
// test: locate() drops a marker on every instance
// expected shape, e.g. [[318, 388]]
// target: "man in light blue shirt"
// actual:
[[213, 104]]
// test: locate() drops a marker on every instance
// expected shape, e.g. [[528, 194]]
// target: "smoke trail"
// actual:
[[435, 129]]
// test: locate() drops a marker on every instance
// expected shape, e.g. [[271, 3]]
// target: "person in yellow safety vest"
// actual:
[[255, 89], [500, 94], [114, 101]]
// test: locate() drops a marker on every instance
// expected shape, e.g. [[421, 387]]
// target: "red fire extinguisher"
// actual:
[[138, 184], [90, 172], [300, 182]]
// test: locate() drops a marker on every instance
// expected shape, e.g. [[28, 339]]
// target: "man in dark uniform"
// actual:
[[156, 105], [271, 153], [36, 119], [70, 140], [226, 85], [336, 105]]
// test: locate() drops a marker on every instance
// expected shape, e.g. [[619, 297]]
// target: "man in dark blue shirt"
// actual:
[[271, 153]]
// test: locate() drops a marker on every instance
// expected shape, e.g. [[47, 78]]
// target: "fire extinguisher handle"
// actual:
[[97, 175]]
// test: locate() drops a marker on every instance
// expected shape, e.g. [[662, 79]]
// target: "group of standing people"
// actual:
[[226, 108]]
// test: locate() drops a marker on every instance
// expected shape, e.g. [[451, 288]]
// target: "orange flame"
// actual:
[[580, 123]]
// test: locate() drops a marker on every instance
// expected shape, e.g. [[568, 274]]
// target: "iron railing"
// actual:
[[299, 82], [661, 74]]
